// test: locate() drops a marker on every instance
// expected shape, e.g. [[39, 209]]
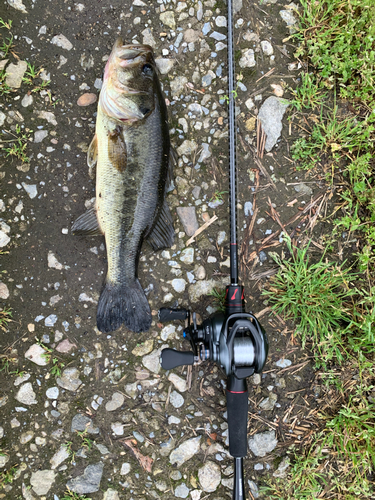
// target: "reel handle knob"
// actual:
[[168, 314], [170, 358]]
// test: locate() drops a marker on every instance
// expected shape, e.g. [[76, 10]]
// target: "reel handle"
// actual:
[[170, 358], [169, 314]]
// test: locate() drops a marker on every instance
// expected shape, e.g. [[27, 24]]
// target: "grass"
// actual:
[[18, 145], [316, 296], [4, 87], [31, 74], [56, 367], [337, 37], [219, 298], [5, 318], [333, 305], [8, 476], [71, 495], [339, 463], [7, 43], [308, 94]]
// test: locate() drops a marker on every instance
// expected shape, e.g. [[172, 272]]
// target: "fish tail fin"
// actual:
[[125, 303]]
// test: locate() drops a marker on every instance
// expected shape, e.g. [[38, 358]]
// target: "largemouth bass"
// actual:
[[131, 150]]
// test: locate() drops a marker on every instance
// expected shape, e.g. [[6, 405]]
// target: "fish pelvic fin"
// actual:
[[87, 224], [162, 233], [123, 304]]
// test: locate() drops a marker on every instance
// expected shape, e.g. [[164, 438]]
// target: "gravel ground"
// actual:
[[92, 413]]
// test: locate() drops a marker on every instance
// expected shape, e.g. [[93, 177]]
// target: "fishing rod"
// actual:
[[234, 339]]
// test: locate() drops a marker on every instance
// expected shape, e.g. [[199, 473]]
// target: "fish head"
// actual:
[[130, 79]]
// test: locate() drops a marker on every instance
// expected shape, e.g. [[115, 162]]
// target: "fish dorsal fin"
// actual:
[[117, 149], [87, 224], [162, 233]]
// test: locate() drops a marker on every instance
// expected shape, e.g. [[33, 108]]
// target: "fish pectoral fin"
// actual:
[[92, 156], [117, 151], [87, 224], [162, 233]]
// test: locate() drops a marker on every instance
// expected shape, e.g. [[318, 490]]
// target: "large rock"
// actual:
[[200, 288], [69, 379], [59, 457], [26, 395], [18, 5], [37, 355], [4, 291], [89, 482], [270, 115], [188, 218], [185, 451], [62, 41], [209, 476], [83, 423], [41, 481], [262, 443]]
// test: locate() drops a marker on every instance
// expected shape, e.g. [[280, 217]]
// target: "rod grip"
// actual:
[[170, 358], [168, 314], [237, 406]]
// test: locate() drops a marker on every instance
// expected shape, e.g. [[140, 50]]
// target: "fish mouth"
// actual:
[[134, 54]]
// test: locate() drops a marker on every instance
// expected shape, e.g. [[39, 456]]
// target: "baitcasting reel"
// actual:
[[236, 341]]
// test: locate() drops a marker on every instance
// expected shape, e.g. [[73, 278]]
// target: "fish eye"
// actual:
[[147, 70]]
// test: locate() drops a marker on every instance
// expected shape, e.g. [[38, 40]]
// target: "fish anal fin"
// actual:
[[117, 150], [162, 233], [87, 224]]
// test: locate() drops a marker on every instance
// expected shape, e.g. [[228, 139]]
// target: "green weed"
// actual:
[[334, 137], [4, 87], [218, 196], [31, 74], [4, 24], [5, 318], [86, 442], [317, 297], [338, 37], [219, 298], [8, 476], [69, 448], [18, 145], [6, 45], [42, 86], [71, 495], [340, 460], [308, 94]]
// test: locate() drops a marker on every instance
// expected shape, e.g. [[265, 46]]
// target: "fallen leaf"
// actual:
[[87, 99], [145, 462]]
